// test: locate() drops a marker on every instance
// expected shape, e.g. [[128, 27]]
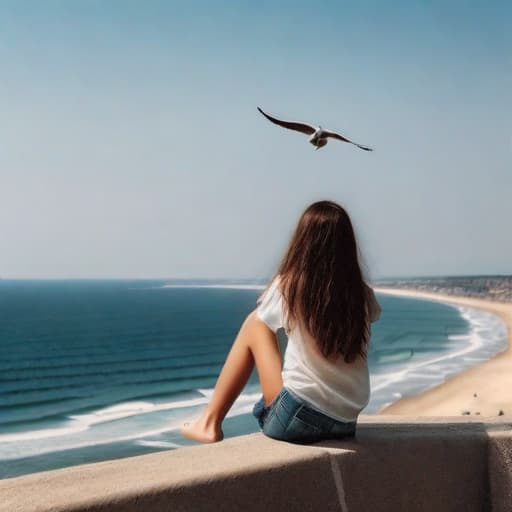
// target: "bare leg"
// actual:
[[255, 344]]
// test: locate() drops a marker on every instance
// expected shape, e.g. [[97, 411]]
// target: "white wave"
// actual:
[[82, 422], [206, 392], [219, 285], [485, 328], [40, 434], [158, 444], [127, 409], [67, 441], [487, 336], [228, 286], [82, 431]]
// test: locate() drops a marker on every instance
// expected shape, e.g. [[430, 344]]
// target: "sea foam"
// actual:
[[487, 336], [107, 425]]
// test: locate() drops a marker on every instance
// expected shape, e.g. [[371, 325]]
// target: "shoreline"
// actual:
[[490, 380]]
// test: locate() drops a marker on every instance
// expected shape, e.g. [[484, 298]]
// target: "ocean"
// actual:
[[95, 370]]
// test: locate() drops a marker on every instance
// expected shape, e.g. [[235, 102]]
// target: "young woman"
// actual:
[[321, 299]]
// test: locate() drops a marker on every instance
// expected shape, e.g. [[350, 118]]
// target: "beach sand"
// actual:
[[491, 381]]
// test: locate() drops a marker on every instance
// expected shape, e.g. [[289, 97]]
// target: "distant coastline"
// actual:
[[482, 390], [496, 288]]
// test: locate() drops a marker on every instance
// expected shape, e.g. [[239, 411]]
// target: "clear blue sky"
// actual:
[[130, 144]]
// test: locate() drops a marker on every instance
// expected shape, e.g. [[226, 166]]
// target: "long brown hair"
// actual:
[[322, 284]]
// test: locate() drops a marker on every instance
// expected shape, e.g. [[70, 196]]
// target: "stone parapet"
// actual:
[[394, 464]]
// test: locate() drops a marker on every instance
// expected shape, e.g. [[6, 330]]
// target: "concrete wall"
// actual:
[[394, 464]]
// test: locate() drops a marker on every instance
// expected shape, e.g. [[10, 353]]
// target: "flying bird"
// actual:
[[318, 136]]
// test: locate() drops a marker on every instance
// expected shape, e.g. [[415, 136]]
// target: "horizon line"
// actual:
[[244, 279]]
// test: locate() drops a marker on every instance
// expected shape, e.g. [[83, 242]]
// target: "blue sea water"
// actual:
[[94, 370]]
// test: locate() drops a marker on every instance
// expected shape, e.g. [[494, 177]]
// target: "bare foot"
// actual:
[[198, 431]]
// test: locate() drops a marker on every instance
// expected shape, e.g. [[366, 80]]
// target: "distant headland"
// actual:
[[497, 288]]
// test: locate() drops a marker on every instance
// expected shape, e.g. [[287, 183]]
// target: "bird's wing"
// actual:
[[299, 127], [334, 135]]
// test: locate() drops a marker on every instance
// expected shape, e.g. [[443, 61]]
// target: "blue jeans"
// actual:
[[289, 418]]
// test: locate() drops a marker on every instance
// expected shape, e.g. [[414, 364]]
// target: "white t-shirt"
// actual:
[[336, 388]]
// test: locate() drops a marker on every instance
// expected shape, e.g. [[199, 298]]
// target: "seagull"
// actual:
[[318, 136]]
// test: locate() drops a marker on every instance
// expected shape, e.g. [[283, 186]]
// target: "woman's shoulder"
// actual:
[[271, 290], [269, 305]]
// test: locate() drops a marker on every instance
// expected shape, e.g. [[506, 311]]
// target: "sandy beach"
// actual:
[[490, 381]]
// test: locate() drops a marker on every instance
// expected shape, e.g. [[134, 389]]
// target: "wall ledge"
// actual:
[[394, 464]]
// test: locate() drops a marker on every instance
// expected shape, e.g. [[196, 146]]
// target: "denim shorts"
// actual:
[[289, 418]]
